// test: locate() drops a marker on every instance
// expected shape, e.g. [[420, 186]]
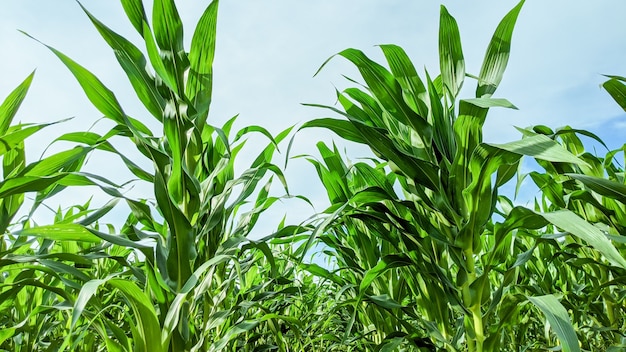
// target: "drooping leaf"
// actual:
[[540, 147], [607, 188], [342, 128], [490, 103], [405, 73], [559, 321], [99, 95], [617, 90], [574, 224]]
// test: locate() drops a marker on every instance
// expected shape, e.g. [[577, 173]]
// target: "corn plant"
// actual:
[[37, 273], [595, 192], [432, 266], [425, 252], [189, 284]]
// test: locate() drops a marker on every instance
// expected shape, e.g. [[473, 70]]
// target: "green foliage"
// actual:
[[429, 263], [424, 251], [181, 280]]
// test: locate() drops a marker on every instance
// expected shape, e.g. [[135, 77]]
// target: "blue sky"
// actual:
[[268, 51]]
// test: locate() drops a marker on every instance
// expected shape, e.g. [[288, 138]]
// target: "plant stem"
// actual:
[[474, 307]]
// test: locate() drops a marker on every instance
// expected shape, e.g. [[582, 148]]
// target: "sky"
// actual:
[[268, 51]]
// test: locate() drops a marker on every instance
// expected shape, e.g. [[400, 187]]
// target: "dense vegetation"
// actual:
[[424, 252]]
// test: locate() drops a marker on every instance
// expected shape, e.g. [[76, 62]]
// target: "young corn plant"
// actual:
[[357, 246], [20, 281], [38, 269], [432, 266], [188, 285], [595, 192]]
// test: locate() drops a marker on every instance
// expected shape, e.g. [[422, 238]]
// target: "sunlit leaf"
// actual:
[[497, 55], [559, 321]]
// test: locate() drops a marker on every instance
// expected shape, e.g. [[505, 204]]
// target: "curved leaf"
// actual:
[[559, 320], [451, 61], [12, 102], [497, 55]]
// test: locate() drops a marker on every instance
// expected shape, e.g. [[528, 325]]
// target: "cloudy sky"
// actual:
[[268, 51]]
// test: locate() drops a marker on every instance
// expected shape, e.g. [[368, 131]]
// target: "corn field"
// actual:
[[421, 247]]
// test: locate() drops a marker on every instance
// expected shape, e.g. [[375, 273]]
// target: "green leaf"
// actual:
[[11, 104], [490, 103], [18, 185], [168, 28], [232, 333], [451, 61], [201, 54], [96, 141], [86, 292], [577, 226], [12, 164], [99, 95], [6, 333], [56, 162], [134, 64], [568, 221], [144, 313], [607, 188], [387, 91], [559, 320], [391, 344], [135, 13], [540, 147], [323, 273], [17, 134], [385, 263], [422, 172], [342, 128], [157, 61], [405, 73], [497, 55], [172, 318], [385, 301], [617, 90], [441, 121], [168, 32], [60, 232]]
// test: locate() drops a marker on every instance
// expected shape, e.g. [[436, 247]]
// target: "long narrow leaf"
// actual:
[[99, 95], [134, 64], [617, 90], [201, 54], [497, 55], [541, 147], [607, 188], [559, 321], [574, 224], [12, 103], [451, 59]]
